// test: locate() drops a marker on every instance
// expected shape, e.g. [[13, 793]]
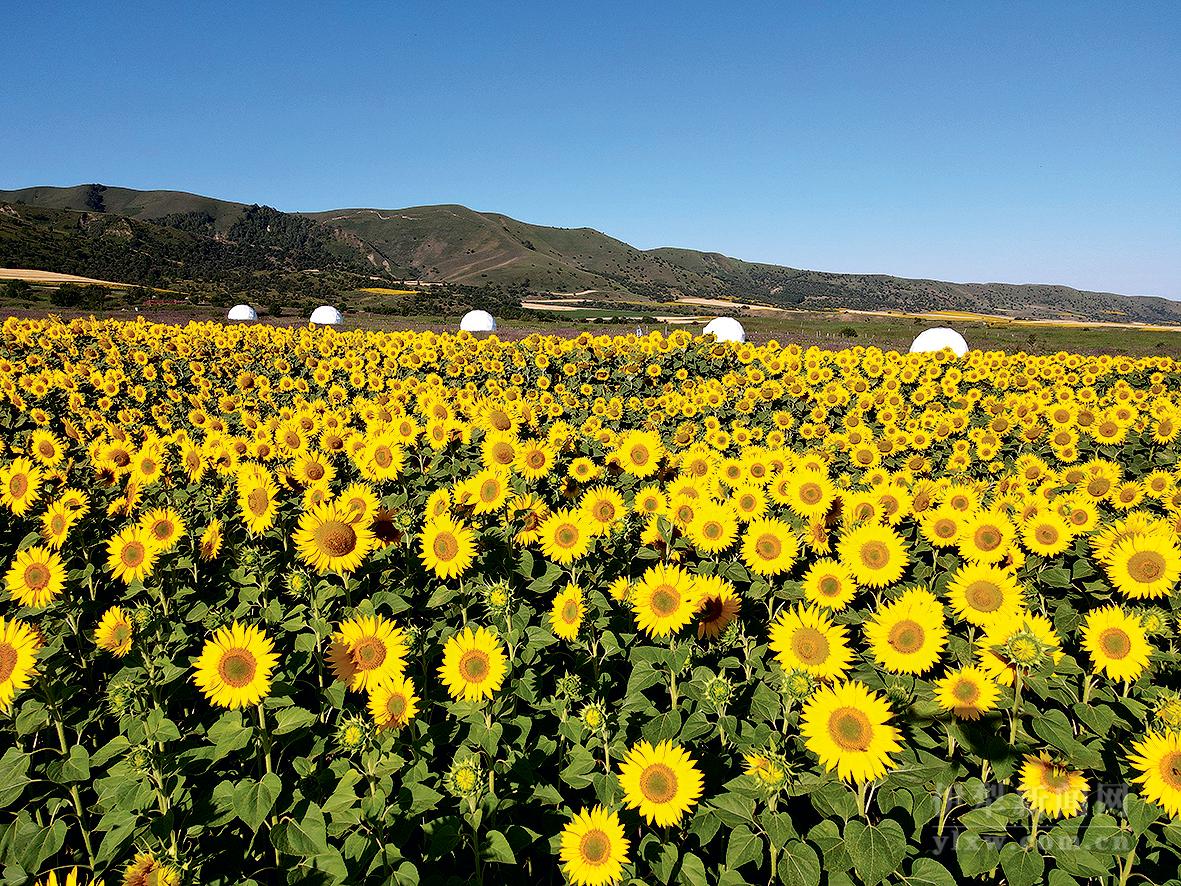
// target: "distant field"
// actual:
[[53, 277]]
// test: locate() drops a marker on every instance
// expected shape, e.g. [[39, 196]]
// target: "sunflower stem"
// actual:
[[74, 796], [1033, 829], [1015, 719], [862, 799], [1125, 866]]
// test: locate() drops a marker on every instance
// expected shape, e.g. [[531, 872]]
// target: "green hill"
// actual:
[[154, 236]]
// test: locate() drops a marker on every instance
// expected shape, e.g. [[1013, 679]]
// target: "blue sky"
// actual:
[[1019, 142]]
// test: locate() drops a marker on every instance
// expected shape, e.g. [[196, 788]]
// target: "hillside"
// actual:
[[155, 237]]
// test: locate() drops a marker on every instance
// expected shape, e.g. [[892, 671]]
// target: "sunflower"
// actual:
[[489, 491], [603, 508], [46, 447], [805, 639], [986, 537], [664, 600], [769, 546], [534, 459], [447, 547], [719, 605], [19, 645], [809, 493], [830, 584], [163, 526], [145, 870], [258, 502], [36, 577], [1144, 565], [1050, 788], [982, 594], [907, 635], [1022, 643], [328, 540], [115, 632], [639, 453], [20, 485], [56, 523], [1047, 533], [592, 848], [234, 668], [131, 556], [941, 527], [662, 782], [565, 536], [366, 651], [393, 703], [211, 539], [713, 528], [527, 513], [1157, 759], [967, 693], [567, 611], [474, 665], [848, 727], [1116, 642], [875, 555]]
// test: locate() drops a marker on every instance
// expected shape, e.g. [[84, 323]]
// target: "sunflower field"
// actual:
[[307, 606]]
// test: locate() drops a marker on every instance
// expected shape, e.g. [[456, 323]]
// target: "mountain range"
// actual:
[[196, 243]]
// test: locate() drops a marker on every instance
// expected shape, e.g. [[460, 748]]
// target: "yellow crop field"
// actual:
[[299, 605]]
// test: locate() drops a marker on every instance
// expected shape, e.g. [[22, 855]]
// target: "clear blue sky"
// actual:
[[1022, 142]]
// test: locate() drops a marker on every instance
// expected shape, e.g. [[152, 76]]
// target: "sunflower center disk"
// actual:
[[337, 539], [1115, 643], [768, 546], [1146, 566], [257, 501], [570, 612], [594, 847], [445, 547], [368, 654], [8, 660], [850, 729], [1170, 766], [810, 646], [907, 637], [658, 783], [984, 596], [132, 555], [875, 554], [566, 536], [237, 668], [37, 576], [665, 601], [829, 586], [987, 538], [396, 706], [474, 666], [966, 692]]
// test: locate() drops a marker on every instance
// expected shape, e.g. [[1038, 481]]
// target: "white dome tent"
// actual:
[[938, 338], [326, 315], [725, 329], [242, 312], [477, 321]]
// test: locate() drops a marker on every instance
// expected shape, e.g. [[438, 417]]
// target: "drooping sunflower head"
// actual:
[[719, 605], [146, 870]]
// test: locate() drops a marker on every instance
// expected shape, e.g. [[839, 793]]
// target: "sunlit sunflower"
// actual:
[[805, 639], [567, 611], [809, 493], [986, 537], [769, 546], [565, 536], [393, 703], [36, 577], [719, 605], [1050, 788], [592, 848], [56, 523], [876, 555], [1117, 643], [234, 668], [474, 665], [967, 693], [662, 782], [534, 459], [46, 447], [489, 491], [1157, 759], [163, 527], [713, 528], [830, 584], [19, 645], [211, 539], [848, 727], [131, 555], [115, 632], [665, 599], [639, 453], [907, 635], [328, 540], [1047, 533], [447, 547], [258, 502], [1144, 565], [982, 594], [20, 485], [603, 508], [366, 651]]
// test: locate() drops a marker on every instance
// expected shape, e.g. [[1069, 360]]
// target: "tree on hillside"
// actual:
[[19, 290], [94, 198]]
